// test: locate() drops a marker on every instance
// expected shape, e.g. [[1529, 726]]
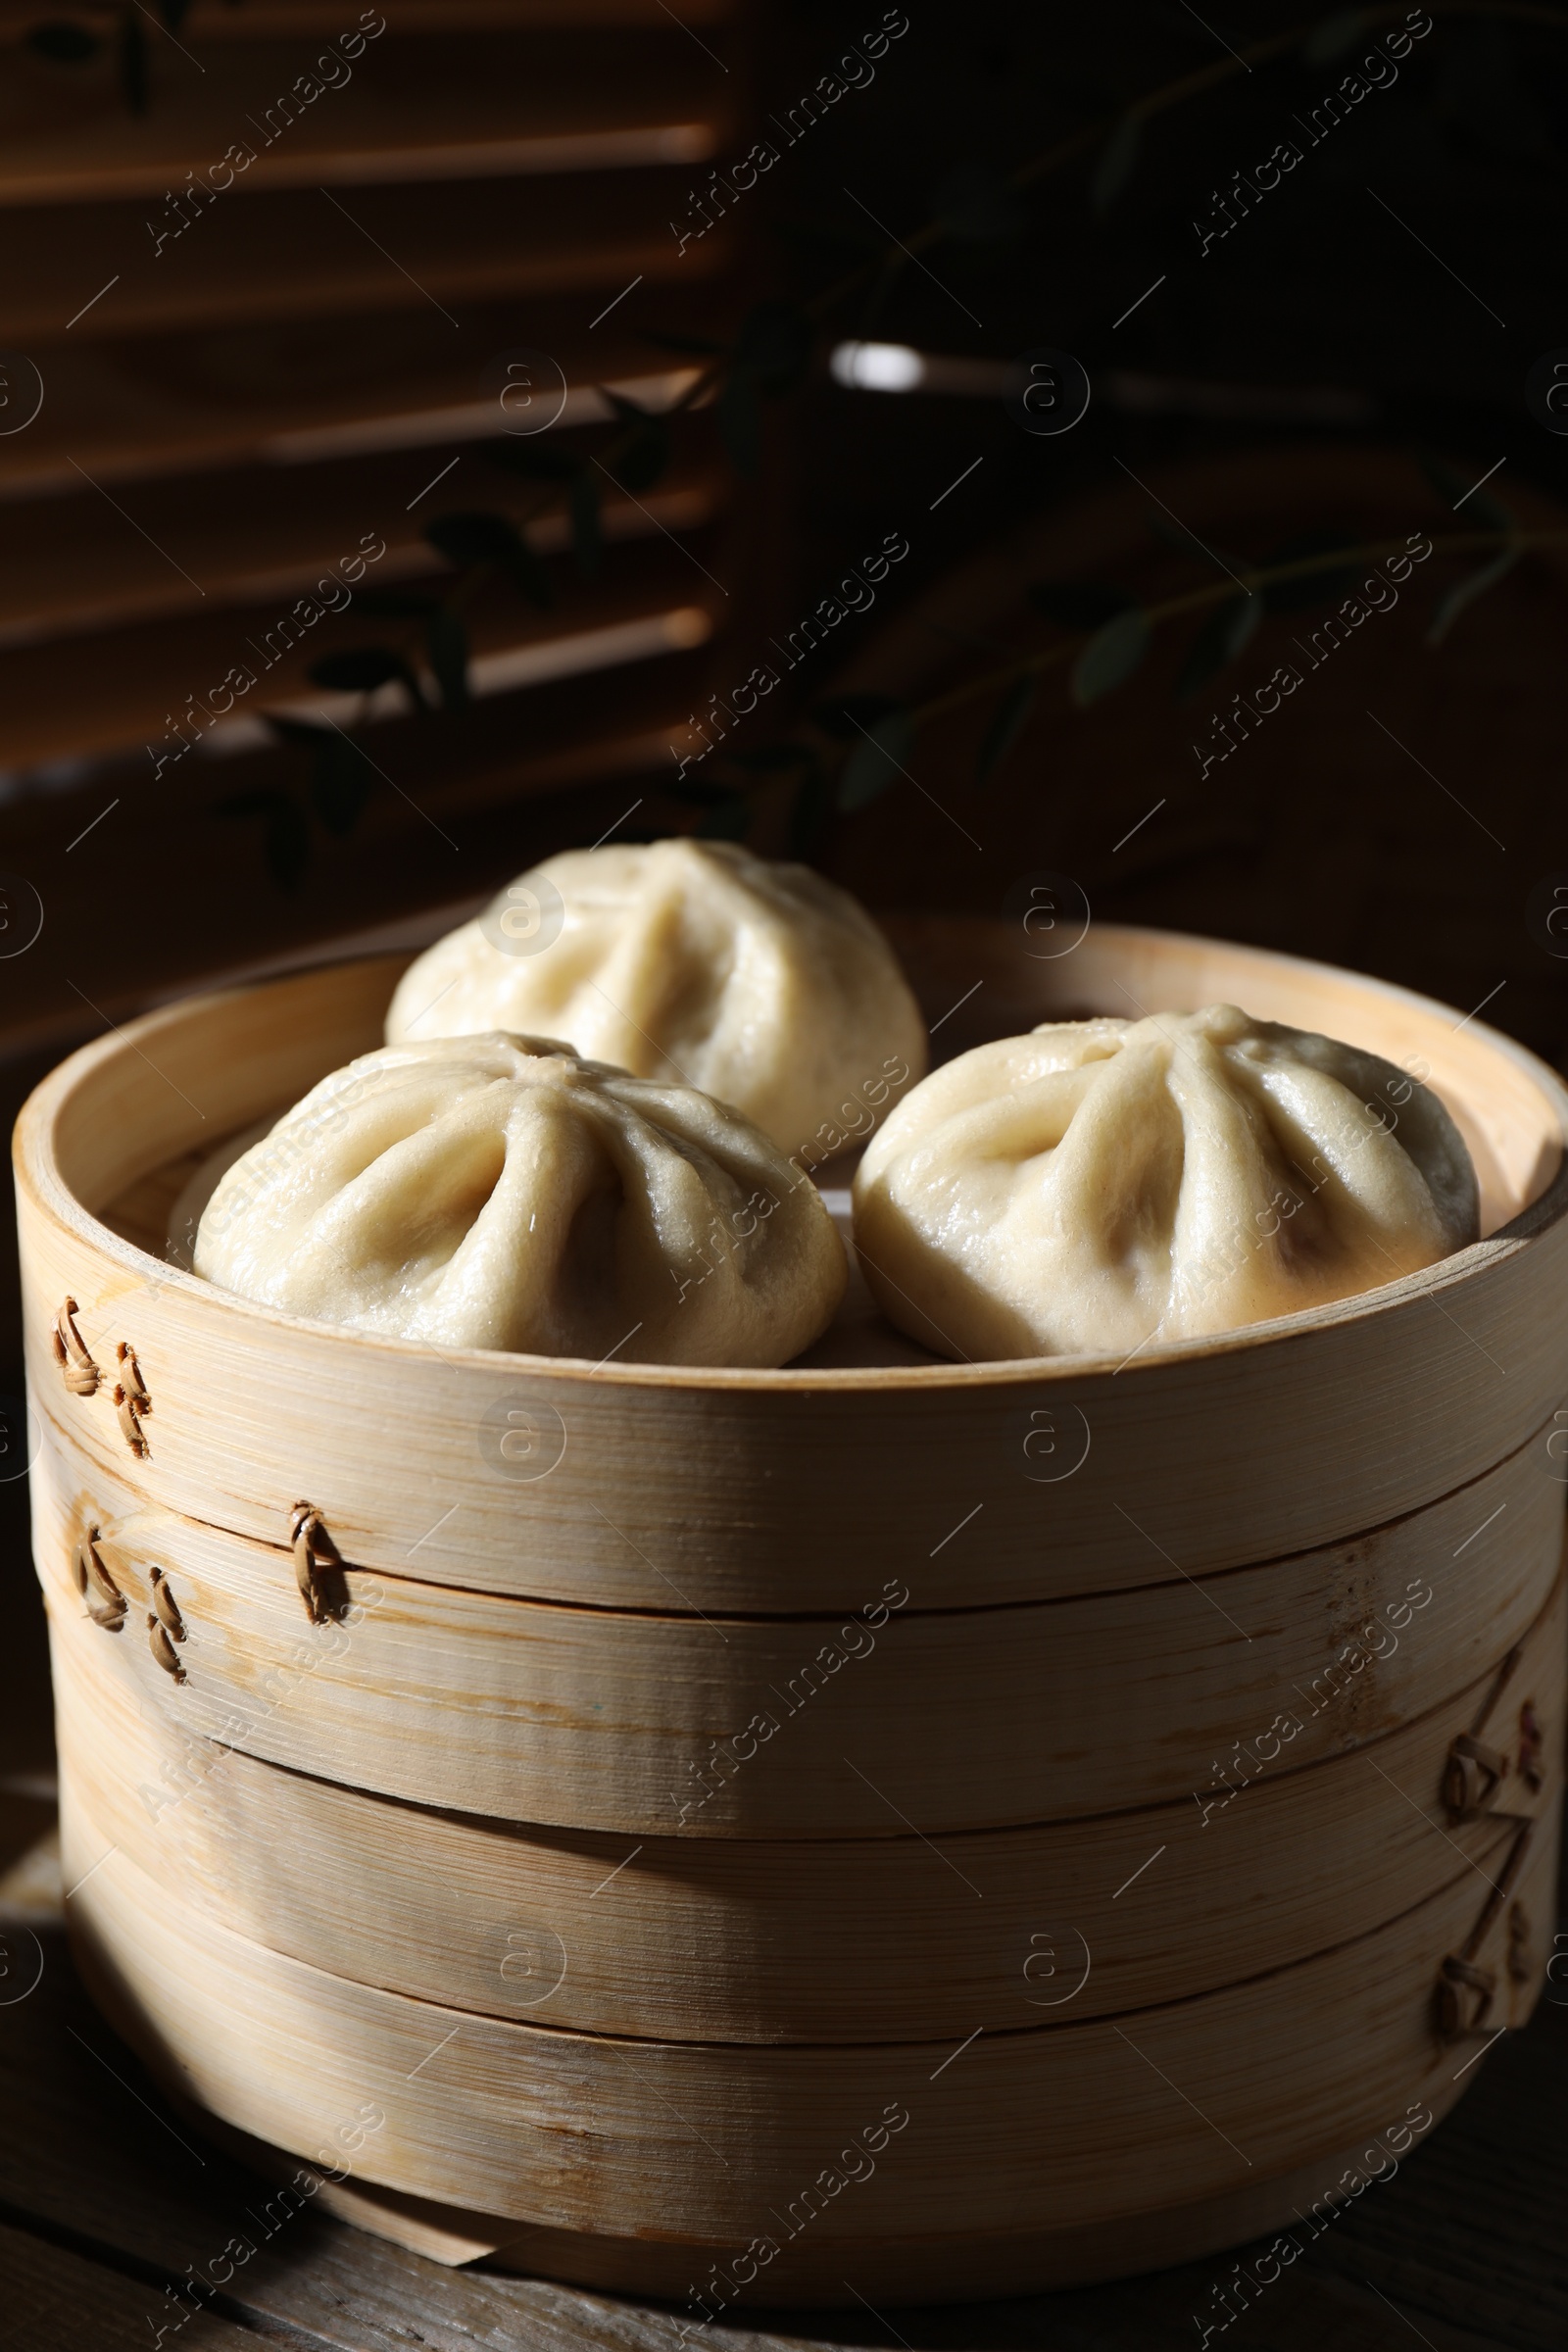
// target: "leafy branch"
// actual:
[[859, 747]]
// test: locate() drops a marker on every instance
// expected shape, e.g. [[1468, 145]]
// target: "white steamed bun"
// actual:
[[1103, 1183], [689, 961], [501, 1192]]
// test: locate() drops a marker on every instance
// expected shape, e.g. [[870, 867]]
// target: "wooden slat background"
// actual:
[[227, 414]]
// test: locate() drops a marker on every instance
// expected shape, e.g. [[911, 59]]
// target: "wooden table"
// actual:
[[109, 2201]]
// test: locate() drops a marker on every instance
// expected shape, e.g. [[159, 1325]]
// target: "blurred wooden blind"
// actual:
[[249, 369]]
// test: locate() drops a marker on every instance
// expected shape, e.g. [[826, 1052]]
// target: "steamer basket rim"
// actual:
[[41, 1185]]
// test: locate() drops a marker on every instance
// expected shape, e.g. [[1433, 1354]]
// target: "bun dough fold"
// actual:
[[502, 1191], [1099, 1184], [693, 962]]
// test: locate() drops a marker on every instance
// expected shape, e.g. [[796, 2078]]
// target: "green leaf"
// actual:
[[1111, 657], [696, 794], [1188, 543], [1117, 162], [286, 844], [773, 759], [973, 205], [1309, 587], [774, 346], [771, 354], [845, 718], [471, 539], [286, 831], [876, 757], [1225, 632], [535, 459], [811, 810], [1480, 85], [740, 422], [1458, 495], [247, 803], [1078, 603], [587, 538], [446, 642], [728, 819], [130, 58], [364, 670], [1333, 35], [1444, 479], [1464, 592], [399, 603], [340, 783], [296, 730], [63, 43], [1008, 722], [640, 464], [829, 244]]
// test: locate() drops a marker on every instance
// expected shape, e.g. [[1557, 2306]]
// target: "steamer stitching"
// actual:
[[107, 1605], [1472, 1776], [166, 1605], [131, 1401], [162, 1650], [77, 1369], [312, 1547]]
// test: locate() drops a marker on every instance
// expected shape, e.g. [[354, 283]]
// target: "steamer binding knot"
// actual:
[[314, 1550], [132, 1401], [106, 1605], [72, 1353], [1474, 1777]]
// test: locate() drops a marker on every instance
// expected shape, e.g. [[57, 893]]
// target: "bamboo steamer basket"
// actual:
[[642, 2142], [600, 1719], [843, 1940], [507, 1659]]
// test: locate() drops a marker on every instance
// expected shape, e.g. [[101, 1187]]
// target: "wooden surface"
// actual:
[[1361, 1411], [108, 2198]]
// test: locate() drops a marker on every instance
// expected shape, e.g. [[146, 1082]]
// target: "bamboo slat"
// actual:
[[147, 407], [900, 1715], [69, 565], [831, 1941], [716, 2147], [1311, 2196], [294, 256], [775, 1490], [144, 680], [319, 20], [1465, 2238], [421, 107]]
